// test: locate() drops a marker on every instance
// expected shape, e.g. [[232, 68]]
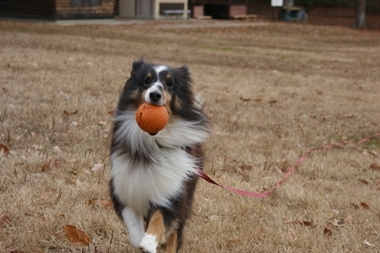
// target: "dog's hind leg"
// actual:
[[154, 233]]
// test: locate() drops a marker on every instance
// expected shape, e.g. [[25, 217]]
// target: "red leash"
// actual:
[[287, 174]]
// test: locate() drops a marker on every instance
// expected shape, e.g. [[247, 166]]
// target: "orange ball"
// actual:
[[152, 118]]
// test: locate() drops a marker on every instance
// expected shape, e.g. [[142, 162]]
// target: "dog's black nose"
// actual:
[[155, 96]]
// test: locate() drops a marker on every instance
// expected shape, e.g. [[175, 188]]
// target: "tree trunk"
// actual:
[[360, 15]]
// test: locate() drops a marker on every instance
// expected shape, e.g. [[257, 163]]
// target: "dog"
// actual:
[[153, 176]]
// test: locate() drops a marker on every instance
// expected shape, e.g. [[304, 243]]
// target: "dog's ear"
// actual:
[[137, 65], [185, 69]]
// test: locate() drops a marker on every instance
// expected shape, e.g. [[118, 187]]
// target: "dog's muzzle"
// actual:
[[154, 95]]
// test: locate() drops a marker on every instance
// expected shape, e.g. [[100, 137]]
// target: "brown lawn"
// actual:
[[274, 91]]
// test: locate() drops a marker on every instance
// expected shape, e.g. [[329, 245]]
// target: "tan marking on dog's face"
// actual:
[[177, 103], [168, 98], [134, 95]]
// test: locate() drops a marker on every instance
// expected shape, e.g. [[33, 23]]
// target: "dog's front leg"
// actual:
[[154, 233], [135, 226]]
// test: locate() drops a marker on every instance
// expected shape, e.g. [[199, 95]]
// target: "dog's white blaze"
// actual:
[[159, 69], [135, 226], [149, 243]]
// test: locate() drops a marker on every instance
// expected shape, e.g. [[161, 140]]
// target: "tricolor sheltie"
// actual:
[[153, 176]]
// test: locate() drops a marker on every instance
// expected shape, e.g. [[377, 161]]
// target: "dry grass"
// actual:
[[273, 92]]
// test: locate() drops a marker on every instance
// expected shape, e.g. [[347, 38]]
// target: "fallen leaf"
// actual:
[[234, 240], [15, 251], [76, 236], [258, 100], [355, 206], [370, 152], [293, 232], [308, 223], [45, 167], [327, 232], [103, 203], [364, 205], [67, 113], [287, 220], [58, 198], [110, 112], [272, 102], [368, 244], [91, 202], [98, 169], [363, 181], [348, 219], [4, 221], [4, 148], [375, 166], [56, 149], [336, 222], [245, 99]]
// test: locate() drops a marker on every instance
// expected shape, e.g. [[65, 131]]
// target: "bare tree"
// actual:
[[360, 15]]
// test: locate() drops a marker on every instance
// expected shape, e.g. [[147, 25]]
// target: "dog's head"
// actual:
[[165, 86], [158, 85]]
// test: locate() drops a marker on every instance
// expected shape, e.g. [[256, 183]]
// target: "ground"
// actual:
[[273, 92]]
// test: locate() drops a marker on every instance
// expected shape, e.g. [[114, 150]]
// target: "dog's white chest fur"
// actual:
[[137, 184]]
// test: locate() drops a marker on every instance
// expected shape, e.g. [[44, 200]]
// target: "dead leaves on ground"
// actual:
[[327, 232], [375, 166], [4, 220], [76, 236], [107, 204], [67, 113], [4, 149], [364, 205], [306, 221], [301, 220], [98, 169]]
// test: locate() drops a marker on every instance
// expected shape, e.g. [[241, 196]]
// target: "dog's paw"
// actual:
[[148, 244]]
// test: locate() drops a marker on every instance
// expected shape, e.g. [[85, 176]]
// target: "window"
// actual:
[[85, 2]]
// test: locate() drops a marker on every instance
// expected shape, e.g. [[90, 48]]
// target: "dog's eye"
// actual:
[[169, 84], [147, 81]]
